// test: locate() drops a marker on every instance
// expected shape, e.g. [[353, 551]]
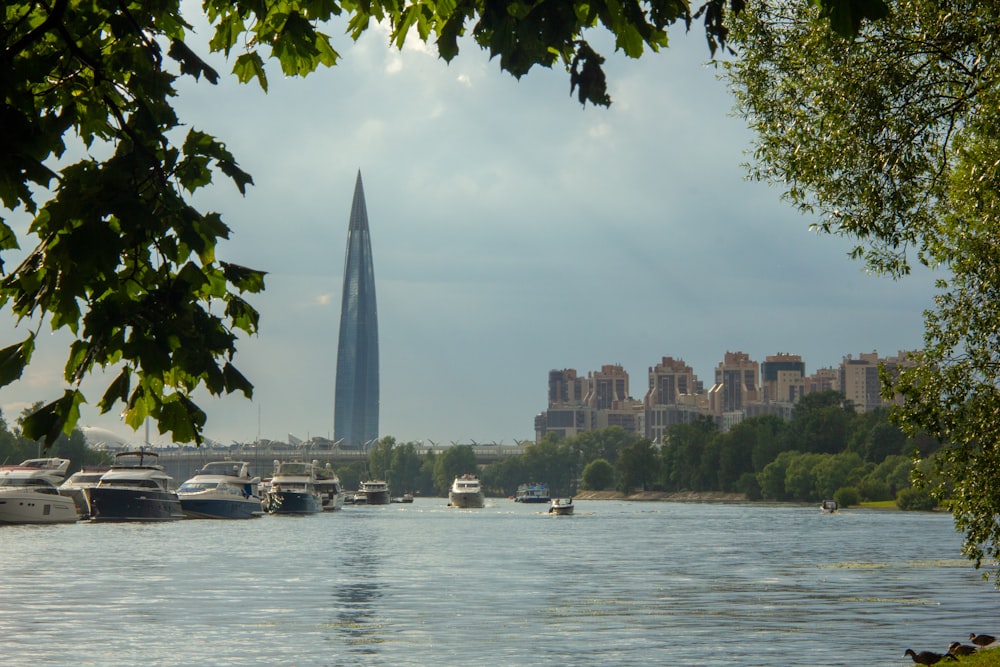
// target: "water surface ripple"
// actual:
[[620, 583]]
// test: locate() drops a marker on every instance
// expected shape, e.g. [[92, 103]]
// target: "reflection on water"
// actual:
[[357, 591], [422, 584]]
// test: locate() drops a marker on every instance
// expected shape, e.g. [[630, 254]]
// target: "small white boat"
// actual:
[[77, 486], [467, 492], [828, 506], [561, 506], [221, 490], [28, 493]]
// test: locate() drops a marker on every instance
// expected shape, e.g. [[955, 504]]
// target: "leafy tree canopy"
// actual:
[[117, 254], [891, 138]]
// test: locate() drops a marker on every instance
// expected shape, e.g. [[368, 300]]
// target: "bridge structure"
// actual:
[[181, 463]]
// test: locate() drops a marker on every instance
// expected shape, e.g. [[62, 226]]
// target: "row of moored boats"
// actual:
[[136, 488]]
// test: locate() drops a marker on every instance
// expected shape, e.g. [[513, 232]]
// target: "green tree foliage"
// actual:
[[454, 461], [380, 458], [598, 475], [847, 496], [891, 138], [404, 471], [503, 477], [638, 466]]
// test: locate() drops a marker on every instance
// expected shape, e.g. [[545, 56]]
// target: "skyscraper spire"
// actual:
[[355, 412]]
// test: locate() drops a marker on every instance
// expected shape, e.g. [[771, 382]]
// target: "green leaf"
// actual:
[[116, 391], [235, 381], [190, 62], [250, 66], [57, 418], [14, 359]]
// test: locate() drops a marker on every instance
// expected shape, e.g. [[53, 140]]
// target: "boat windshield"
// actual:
[[27, 482], [294, 469], [85, 478], [142, 483], [228, 468], [197, 486]]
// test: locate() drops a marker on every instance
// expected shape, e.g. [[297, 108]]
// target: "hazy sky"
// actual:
[[513, 232]]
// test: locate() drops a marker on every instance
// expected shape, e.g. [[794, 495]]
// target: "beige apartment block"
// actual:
[[736, 384], [675, 396]]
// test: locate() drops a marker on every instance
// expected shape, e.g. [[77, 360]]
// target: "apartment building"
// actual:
[[742, 388]]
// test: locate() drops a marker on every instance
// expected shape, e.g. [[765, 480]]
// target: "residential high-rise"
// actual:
[[355, 411]]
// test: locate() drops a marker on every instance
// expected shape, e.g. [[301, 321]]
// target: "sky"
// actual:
[[513, 232]]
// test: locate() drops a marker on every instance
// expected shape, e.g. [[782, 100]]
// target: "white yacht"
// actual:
[[373, 492], [77, 486], [28, 493], [293, 489], [466, 491], [330, 490], [221, 490], [135, 488]]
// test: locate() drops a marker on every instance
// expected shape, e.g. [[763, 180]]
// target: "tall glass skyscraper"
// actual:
[[355, 411]]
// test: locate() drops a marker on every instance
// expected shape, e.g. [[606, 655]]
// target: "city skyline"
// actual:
[[515, 232], [741, 387]]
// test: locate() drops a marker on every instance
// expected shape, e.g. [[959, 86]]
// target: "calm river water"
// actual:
[[618, 584]]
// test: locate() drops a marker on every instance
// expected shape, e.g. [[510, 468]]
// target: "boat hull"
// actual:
[[220, 508], [293, 502], [377, 498], [123, 504], [466, 500], [36, 508]]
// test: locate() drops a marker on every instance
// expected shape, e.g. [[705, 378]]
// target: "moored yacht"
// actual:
[[28, 493], [533, 493], [373, 492], [330, 490], [293, 489], [77, 486], [135, 488], [466, 491], [221, 490]]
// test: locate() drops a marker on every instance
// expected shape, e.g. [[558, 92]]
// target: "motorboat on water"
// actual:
[[533, 493], [330, 490], [466, 492], [221, 490], [29, 493], [828, 506], [374, 492], [135, 488], [293, 489], [561, 506], [77, 486]]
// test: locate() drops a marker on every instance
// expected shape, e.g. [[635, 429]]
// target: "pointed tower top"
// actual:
[[359, 211]]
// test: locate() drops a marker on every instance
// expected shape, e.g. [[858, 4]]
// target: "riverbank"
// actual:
[[692, 496]]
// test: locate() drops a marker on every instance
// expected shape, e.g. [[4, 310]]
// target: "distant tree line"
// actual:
[[827, 450]]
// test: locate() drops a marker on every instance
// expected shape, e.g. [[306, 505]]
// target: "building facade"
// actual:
[[356, 401], [743, 388]]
